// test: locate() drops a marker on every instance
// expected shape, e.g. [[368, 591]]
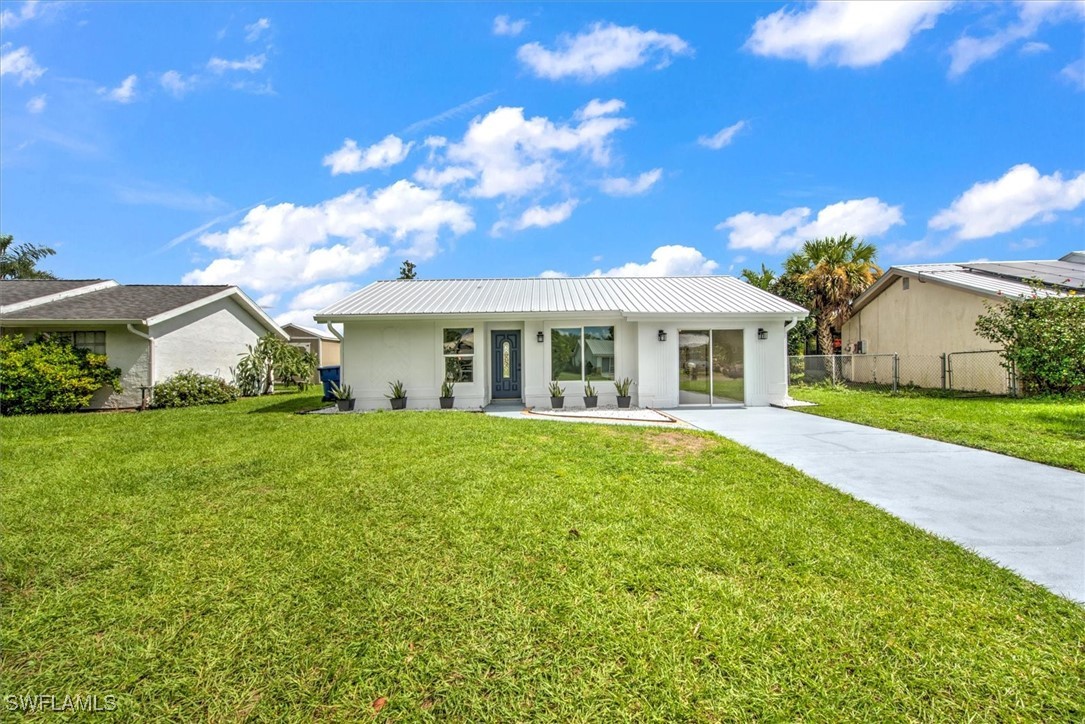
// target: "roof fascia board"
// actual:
[[66, 294], [65, 323], [520, 316]]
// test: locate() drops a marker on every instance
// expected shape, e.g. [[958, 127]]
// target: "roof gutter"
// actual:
[[150, 355]]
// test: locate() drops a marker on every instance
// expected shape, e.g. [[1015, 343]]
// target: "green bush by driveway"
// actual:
[[239, 561]]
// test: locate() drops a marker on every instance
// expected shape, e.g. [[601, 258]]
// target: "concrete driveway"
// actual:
[[1025, 516]]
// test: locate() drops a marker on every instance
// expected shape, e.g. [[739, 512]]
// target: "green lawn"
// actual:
[[1045, 430], [244, 562]]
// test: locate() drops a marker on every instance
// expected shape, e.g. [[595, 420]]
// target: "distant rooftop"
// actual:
[[121, 303], [13, 291]]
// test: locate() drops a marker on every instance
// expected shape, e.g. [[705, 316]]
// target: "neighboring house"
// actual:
[[149, 331], [509, 338], [919, 310], [322, 345]]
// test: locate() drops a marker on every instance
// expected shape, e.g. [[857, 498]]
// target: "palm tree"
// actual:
[[20, 262], [834, 271], [764, 279]]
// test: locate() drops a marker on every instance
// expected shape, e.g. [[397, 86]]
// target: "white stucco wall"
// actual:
[[123, 349], [209, 340], [377, 352]]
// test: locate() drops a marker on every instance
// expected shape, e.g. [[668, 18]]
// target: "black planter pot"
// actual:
[[399, 403], [446, 402], [557, 402], [345, 405], [623, 402], [591, 401]]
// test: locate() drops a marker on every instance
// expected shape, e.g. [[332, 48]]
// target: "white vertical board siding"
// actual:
[[209, 340]]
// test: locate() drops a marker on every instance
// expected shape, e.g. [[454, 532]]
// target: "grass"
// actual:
[[242, 562], [1045, 430]]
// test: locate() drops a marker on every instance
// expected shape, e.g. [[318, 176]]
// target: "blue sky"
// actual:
[[303, 150]]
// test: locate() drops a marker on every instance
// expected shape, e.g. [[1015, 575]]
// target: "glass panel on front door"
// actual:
[[506, 360]]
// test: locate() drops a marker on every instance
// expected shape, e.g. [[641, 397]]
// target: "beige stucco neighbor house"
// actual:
[[926, 310], [149, 331], [321, 344]]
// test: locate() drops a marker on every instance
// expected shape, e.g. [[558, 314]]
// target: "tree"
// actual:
[[407, 270], [271, 360], [833, 271], [20, 262], [1042, 338], [765, 279]]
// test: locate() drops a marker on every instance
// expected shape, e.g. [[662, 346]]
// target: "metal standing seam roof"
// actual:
[[122, 303], [14, 291], [580, 295]]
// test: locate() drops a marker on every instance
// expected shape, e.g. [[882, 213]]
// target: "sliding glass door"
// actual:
[[710, 368]]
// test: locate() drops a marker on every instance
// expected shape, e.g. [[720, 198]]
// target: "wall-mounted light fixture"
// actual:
[[762, 333], [662, 336], [539, 337]]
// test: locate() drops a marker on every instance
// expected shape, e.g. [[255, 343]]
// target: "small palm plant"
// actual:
[[398, 396], [557, 396], [344, 396], [448, 394]]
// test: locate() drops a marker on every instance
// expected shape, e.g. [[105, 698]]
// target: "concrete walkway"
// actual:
[[1025, 516]]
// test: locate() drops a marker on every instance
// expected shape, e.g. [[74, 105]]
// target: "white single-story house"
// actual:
[[704, 340], [321, 345], [149, 331]]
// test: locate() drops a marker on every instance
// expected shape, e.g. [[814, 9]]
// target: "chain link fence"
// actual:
[[958, 373]]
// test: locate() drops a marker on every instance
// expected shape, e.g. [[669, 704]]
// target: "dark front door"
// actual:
[[505, 371]]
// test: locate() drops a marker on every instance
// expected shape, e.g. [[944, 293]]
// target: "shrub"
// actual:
[[48, 375], [188, 388], [1042, 338]]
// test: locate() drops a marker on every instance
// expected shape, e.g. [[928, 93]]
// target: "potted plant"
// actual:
[[622, 388], [448, 389], [398, 398], [557, 396], [344, 397], [591, 397]]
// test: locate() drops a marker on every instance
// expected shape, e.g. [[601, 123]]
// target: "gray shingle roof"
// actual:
[[13, 291], [622, 295], [128, 303]]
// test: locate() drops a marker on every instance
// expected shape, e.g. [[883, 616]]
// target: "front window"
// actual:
[[582, 353], [458, 347], [90, 341]]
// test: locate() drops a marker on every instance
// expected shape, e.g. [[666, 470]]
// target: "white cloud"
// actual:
[[723, 137], [596, 108], [967, 51], [268, 300], [852, 34], [176, 84], [1075, 73], [445, 115], [36, 104], [667, 261], [385, 153], [322, 295], [445, 177], [787, 231], [538, 216], [631, 187], [149, 194], [601, 50], [124, 93], [510, 155], [551, 274], [251, 63], [503, 25], [286, 246], [12, 18], [255, 30], [19, 63], [1020, 196], [1033, 47]]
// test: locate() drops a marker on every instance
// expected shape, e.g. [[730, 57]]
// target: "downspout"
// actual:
[[334, 331], [787, 361], [150, 358]]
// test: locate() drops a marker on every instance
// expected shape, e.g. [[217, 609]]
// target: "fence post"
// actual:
[[896, 371], [949, 370], [943, 370]]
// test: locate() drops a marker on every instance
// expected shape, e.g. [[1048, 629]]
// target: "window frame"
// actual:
[[583, 358], [69, 336], [445, 356]]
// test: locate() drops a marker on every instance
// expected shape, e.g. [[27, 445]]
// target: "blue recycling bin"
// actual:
[[328, 375]]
